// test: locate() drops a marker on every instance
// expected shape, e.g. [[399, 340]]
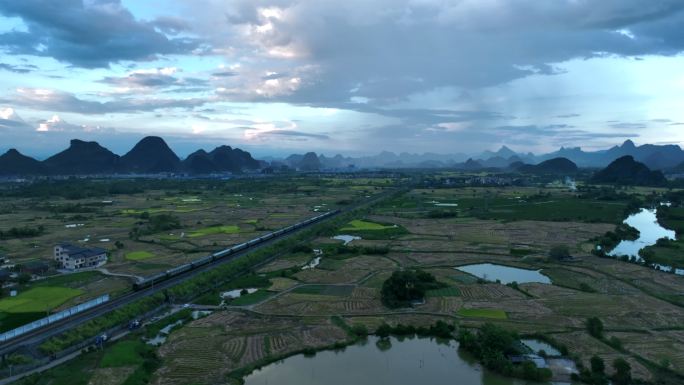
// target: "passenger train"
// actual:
[[229, 253]]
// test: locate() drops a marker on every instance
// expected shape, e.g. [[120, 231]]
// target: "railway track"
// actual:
[[38, 335]]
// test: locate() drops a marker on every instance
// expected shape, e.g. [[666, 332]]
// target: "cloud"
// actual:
[[18, 69], [57, 124], [628, 125], [51, 100], [224, 74], [10, 120], [568, 116], [262, 131], [88, 34], [387, 50], [152, 80]]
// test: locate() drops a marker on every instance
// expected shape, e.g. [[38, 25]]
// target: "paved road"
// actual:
[[59, 327], [39, 335]]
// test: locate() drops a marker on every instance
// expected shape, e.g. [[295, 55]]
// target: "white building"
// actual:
[[74, 257]]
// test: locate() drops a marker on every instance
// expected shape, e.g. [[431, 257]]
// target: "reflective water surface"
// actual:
[[408, 362], [650, 231], [505, 274]]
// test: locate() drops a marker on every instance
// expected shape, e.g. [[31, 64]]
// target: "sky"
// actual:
[[354, 77]]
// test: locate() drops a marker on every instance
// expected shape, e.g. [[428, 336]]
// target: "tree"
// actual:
[[595, 327], [405, 286], [623, 372], [559, 252], [24, 278], [383, 331], [597, 364]]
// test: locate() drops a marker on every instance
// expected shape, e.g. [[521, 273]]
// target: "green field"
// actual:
[[139, 255], [445, 292], [38, 299], [230, 229], [70, 280], [124, 353], [251, 299], [553, 209], [359, 225], [483, 313], [9, 321]]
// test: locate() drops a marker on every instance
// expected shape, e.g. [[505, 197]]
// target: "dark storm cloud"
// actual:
[[386, 50], [91, 34]]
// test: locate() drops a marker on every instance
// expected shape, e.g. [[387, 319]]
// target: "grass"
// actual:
[[230, 229], [373, 230], [9, 321], [38, 299], [69, 280], [139, 255], [552, 209], [666, 253], [251, 299], [445, 292], [124, 353], [359, 225], [72, 372], [482, 313]]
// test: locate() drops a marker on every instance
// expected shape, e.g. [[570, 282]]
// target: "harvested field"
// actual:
[[280, 284], [350, 271], [586, 346], [189, 358], [656, 346], [111, 376]]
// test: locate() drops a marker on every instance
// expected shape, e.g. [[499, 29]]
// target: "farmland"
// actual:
[[146, 227], [295, 309]]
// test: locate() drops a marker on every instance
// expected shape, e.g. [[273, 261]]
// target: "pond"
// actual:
[[346, 238], [408, 362], [537, 345], [237, 293], [650, 231], [505, 274], [312, 265]]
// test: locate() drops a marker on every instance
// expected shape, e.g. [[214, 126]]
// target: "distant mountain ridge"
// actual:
[[151, 155], [657, 157], [555, 166], [15, 163], [83, 158], [627, 171]]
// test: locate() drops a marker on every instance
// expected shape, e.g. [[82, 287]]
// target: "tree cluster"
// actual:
[[406, 286], [493, 345]]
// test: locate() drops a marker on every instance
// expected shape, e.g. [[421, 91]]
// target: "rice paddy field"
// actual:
[[147, 227], [205, 216], [303, 307]]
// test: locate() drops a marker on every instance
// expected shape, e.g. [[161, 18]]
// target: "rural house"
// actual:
[[75, 257], [36, 267]]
